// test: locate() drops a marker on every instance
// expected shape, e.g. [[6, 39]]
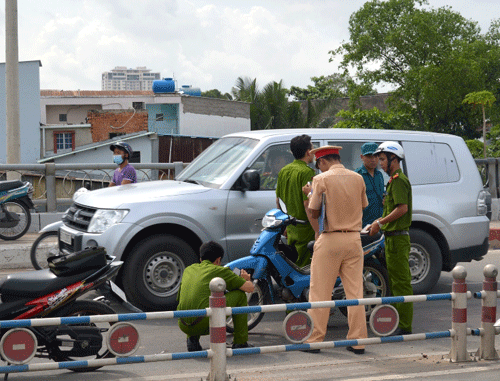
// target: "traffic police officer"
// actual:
[[395, 223], [338, 249]]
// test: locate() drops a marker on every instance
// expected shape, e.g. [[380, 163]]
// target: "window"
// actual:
[[138, 105], [63, 117], [159, 117], [269, 164], [136, 157], [64, 141]]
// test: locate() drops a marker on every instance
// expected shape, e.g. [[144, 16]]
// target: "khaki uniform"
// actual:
[[338, 250]]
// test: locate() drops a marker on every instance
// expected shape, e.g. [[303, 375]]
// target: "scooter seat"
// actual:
[[34, 284], [10, 184]]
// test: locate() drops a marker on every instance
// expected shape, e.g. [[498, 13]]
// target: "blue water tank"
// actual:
[[190, 90], [165, 85]]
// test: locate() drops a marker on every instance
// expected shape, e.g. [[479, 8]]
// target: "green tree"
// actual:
[[484, 99], [432, 57], [373, 119], [214, 93]]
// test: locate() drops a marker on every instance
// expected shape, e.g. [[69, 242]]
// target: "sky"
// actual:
[[207, 44]]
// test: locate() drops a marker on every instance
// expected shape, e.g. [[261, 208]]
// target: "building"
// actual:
[[121, 78], [71, 119], [29, 112]]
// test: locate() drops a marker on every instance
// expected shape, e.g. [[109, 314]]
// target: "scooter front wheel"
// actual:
[[259, 297], [44, 246]]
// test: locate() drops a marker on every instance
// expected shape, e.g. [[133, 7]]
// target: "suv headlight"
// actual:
[[105, 218], [270, 222]]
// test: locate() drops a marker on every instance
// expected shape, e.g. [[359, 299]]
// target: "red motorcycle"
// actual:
[[53, 292]]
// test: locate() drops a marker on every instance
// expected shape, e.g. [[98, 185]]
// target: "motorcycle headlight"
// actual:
[[270, 222], [104, 218]]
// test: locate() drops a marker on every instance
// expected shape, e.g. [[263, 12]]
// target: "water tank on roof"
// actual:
[[190, 90], [165, 85]]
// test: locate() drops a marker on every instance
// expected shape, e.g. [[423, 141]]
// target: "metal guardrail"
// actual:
[[54, 184], [218, 312], [488, 169]]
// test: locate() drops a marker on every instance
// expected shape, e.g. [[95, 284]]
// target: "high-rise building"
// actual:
[[121, 78]]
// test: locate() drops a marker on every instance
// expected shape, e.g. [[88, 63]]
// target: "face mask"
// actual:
[[117, 159]]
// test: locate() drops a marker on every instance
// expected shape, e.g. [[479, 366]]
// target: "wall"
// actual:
[[147, 145], [29, 112], [213, 117], [105, 122], [76, 114]]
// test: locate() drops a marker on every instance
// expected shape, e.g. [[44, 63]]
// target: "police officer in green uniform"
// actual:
[[194, 294], [291, 179], [395, 223]]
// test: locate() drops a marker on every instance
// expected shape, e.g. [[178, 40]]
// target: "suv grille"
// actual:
[[78, 217]]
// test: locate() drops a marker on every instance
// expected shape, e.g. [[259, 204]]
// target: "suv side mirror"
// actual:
[[250, 180]]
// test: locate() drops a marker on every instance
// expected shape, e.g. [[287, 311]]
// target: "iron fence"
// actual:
[[55, 184]]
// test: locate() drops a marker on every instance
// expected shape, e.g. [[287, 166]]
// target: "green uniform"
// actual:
[[397, 248], [194, 294], [291, 179]]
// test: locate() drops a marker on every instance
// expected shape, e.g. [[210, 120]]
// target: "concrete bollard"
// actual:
[[218, 330], [488, 316], [459, 316]]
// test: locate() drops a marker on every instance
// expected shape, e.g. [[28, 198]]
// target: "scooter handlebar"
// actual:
[[295, 221]]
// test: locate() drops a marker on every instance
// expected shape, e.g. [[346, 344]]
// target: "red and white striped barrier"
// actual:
[[459, 316], [218, 330], [488, 315]]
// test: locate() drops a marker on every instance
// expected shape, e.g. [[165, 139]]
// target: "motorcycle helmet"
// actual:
[[391, 147], [122, 146]]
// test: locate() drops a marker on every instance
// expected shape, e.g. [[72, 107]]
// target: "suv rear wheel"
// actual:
[[152, 274], [425, 261]]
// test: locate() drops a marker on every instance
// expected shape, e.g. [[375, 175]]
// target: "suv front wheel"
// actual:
[[425, 261], [153, 272]]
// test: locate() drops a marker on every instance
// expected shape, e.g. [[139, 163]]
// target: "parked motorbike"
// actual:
[[54, 292], [15, 204], [269, 264]]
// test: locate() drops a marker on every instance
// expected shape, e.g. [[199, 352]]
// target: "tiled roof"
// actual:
[[92, 93]]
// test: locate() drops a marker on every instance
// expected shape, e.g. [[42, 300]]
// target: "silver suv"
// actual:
[[157, 227]]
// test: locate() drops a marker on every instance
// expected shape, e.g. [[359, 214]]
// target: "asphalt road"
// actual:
[[419, 360]]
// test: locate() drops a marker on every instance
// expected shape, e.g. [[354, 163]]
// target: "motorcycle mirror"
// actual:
[[282, 206]]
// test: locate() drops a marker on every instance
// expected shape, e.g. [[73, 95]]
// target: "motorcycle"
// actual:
[[270, 263], [54, 292], [15, 204]]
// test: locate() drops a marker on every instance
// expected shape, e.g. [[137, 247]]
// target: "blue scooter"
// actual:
[[15, 205], [276, 276]]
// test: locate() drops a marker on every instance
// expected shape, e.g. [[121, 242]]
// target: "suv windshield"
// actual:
[[218, 162]]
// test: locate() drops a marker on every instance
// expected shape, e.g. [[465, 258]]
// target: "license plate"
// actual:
[[118, 291], [65, 237]]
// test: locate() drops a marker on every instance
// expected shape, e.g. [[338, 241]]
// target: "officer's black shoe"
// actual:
[[193, 344], [401, 331], [240, 346], [311, 350], [356, 351]]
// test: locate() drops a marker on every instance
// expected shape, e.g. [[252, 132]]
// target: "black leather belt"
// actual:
[[396, 232], [343, 231]]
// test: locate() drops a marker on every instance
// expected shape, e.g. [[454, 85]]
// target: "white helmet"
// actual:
[[391, 147]]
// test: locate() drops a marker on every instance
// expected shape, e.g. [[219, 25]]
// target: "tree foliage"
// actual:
[[214, 93], [433, 58], [372, 119], [269, 107]]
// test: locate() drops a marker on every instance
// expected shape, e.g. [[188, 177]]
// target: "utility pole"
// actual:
[[12, 87]]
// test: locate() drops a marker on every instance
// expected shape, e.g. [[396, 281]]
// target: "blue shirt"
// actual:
[[375, 194]]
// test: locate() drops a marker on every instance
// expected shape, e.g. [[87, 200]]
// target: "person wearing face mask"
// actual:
[[125, 173]]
